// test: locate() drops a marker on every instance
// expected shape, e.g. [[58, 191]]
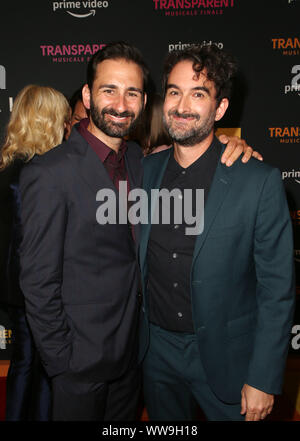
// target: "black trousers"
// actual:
[[28, 393], [78, 399]]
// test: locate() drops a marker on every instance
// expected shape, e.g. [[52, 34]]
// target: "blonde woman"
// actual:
[[37, 124]]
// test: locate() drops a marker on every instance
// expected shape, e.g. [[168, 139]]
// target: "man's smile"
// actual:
[[118, 119]]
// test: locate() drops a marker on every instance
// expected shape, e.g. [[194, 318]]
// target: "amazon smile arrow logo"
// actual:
[[92, 12]]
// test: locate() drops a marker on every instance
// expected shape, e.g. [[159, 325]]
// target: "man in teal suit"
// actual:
[[218, 305]]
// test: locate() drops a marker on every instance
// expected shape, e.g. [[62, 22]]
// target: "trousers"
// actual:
[[28, 394], [175, 383], [76, 398]]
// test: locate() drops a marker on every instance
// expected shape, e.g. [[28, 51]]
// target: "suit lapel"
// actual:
[[218, 191], [133, 167]]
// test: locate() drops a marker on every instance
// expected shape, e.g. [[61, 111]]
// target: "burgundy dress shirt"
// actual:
[[113, 162]]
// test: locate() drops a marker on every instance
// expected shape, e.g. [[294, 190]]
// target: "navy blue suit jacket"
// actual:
[[242, 277], [79, 278]]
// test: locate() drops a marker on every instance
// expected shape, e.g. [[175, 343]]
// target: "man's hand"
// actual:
[[255, 403], [235, 148]]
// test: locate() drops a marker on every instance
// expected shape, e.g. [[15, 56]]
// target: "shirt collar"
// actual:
[[97, 145], [209, 156]]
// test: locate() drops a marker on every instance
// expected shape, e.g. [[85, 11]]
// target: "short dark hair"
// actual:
[[114, 51], [220, 66]]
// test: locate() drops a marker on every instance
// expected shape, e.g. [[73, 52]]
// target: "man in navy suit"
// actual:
[[218, 305], [79, 278]]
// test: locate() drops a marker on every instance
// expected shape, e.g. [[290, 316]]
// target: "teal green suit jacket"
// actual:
[[242, 277]]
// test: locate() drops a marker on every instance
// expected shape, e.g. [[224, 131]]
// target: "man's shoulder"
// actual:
[[250, 180], [254, 169], [48, 162], [56, 157], [156, 158]]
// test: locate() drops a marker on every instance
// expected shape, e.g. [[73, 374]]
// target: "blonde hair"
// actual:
[[36, 124]]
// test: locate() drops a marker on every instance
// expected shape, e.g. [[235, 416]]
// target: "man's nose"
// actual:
[[121, 104], [183, 104]]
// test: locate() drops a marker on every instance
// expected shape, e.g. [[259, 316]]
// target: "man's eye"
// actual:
[[199, 95], [108, 91], [173, 92], [133, 94]]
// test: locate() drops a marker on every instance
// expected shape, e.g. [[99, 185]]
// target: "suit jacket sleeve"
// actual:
[[43, 219], [273, 254]]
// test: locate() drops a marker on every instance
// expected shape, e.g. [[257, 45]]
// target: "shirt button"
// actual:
[[176, 227], [183, 172], [174, 255], [180, 314], [175, 284]]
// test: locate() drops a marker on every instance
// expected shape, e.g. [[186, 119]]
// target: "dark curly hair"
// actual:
[[220, 66]]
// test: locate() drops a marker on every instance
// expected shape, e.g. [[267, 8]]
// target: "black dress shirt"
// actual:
[[170, 250]]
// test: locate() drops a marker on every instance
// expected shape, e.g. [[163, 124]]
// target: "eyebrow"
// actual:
[[135, 89], [204, 89], [113, 86]]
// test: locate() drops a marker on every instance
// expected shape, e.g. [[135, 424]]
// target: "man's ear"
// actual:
[[223, 106], [86, 96], [145, 99]]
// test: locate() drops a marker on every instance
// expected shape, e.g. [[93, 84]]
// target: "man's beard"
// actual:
[[195, 134], [109, 127]]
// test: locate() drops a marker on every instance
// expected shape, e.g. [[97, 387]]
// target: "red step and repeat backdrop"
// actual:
[[50, 42]]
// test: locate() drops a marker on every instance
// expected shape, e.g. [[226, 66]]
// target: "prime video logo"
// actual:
[[89, 7], [292, 174], [181, 46], [134, 207]]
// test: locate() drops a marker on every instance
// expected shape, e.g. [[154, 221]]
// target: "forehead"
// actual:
[[119, 71], [183, 76]]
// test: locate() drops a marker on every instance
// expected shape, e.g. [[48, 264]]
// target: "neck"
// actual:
[[185, 156], [113, 143]]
